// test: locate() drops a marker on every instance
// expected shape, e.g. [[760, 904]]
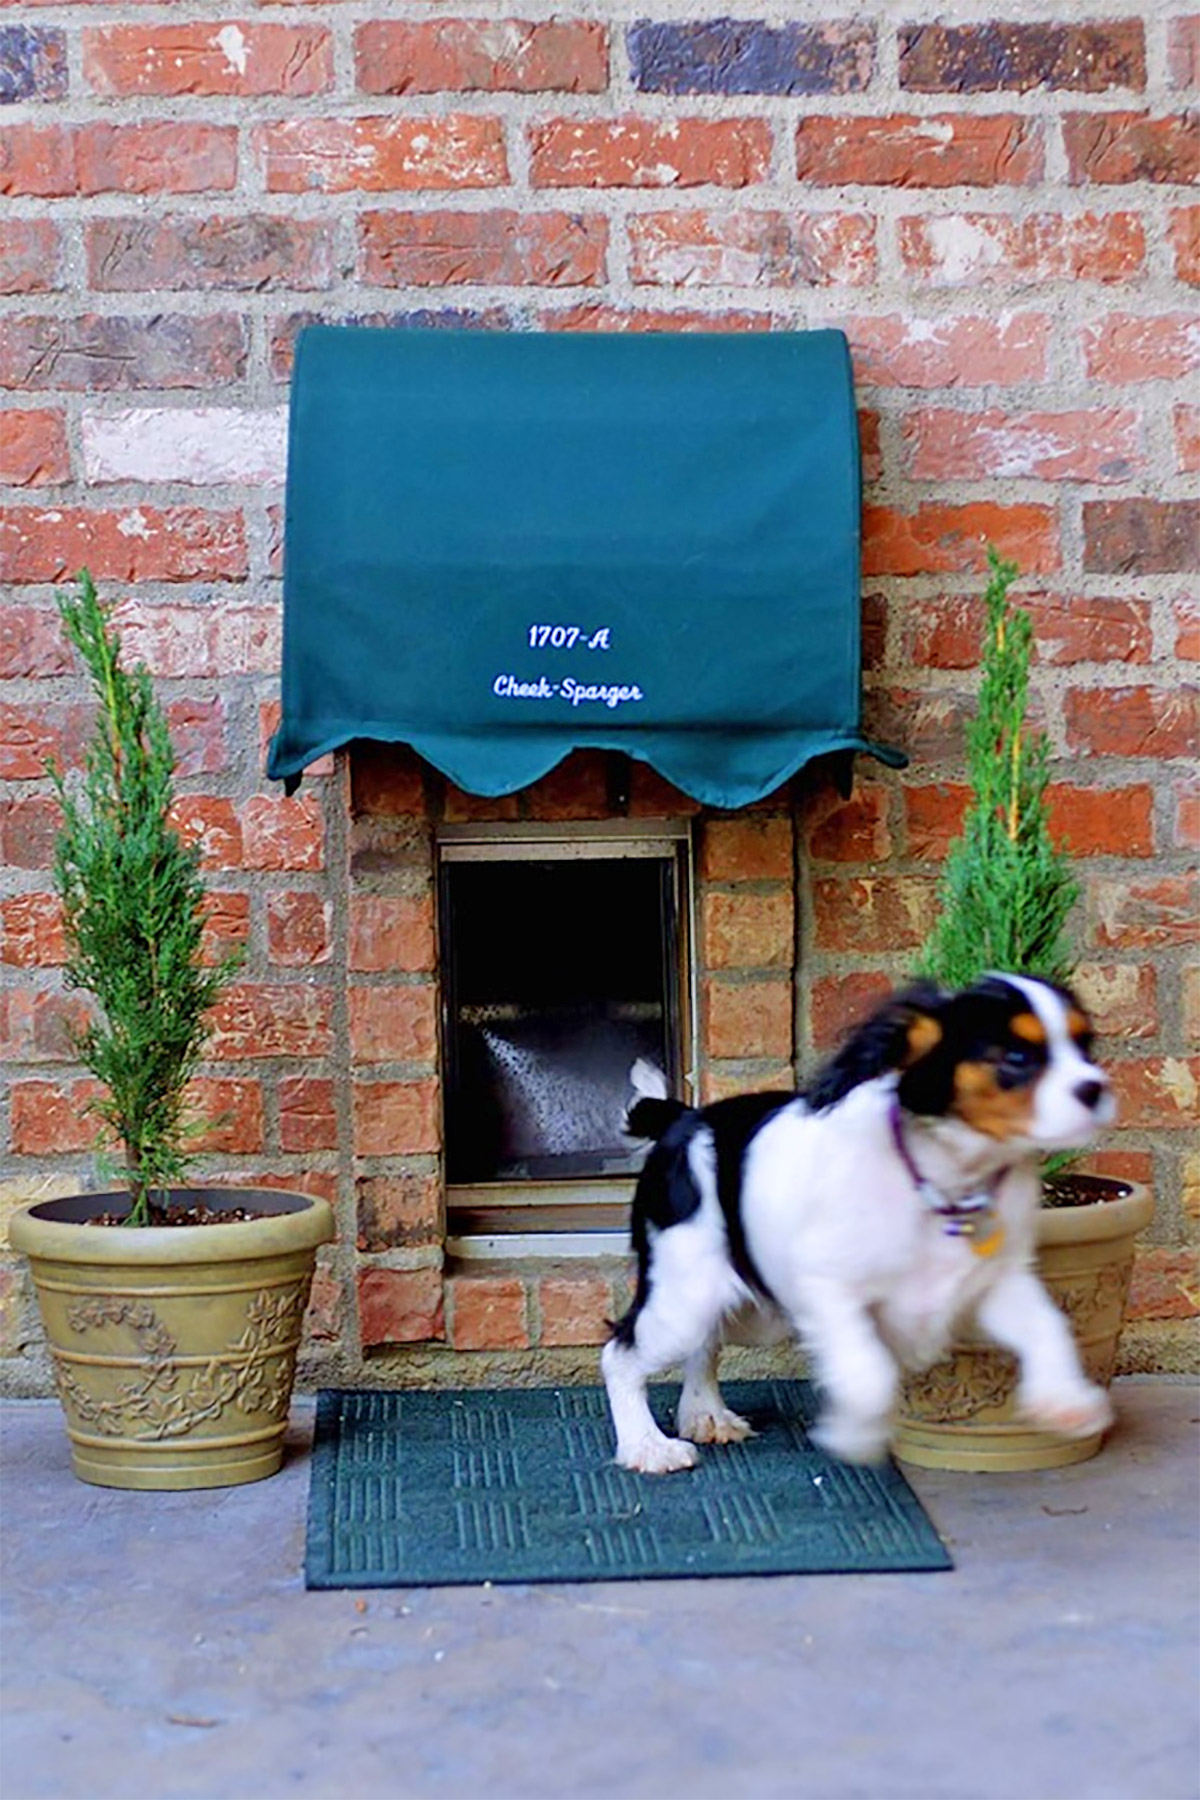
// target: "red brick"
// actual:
[[747, 1019], [208, 59], [1127, 347], [1185, 796], [299, 929], [746, 848], [135, 543], [226, 924], [1187, 629], [576, 789], [1159, 1093], [307, 1114], [1091, 628], [1185, 242], [939, 539], [1121, 997], [32, 931], [593, 316], [399, 1306], [235, 1114], [1165, 1284], [1100, 821], [392, 933], [963, 249], [1119, 147], [899, 350], [281, 833], [488, 1312], [649, 153], [908, 150], [40, 1026], [934, 818], [1145, 915], [33, 448], [169, 156], [378, 155], [396, 1118], [752, 249], [393, 1024], [49, 1120], [272, 1020], [1186, 420], [198, 733], [1141, 536], [929, 724], [853, 830], [32, 643], [511, 249], [839, 1003], [1095, 445], [399, 1211], [1183, 53], [481, 55], [748, 930], [28, 828], [30, 257], [31, 731], [212, 823], [386, 781], [96, 354], [574, 1308], [872, 915], [251, 252], [1132, 721], [983, 58]]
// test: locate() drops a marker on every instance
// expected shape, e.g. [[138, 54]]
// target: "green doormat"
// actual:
[[469, 1485]]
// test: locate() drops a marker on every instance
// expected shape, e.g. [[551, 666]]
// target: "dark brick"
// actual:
[[1141, 537], [976, 59], [33, 64], [284, 332], [136, 255], [734, 56], [113, 355], [1124, 146]]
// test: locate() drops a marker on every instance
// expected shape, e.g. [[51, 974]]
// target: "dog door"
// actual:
[[563, 962]]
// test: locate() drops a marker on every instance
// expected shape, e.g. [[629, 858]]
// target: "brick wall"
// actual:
[[998, 212]]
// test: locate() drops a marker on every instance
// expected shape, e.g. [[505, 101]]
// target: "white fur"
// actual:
[[864, 1273]]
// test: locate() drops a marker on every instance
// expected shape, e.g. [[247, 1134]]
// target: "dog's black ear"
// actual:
[[905, 1029]]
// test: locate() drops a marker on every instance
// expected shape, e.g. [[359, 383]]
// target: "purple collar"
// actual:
[[968, 1217]]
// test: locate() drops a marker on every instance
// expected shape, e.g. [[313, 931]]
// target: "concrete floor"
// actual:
[[157, 1646]]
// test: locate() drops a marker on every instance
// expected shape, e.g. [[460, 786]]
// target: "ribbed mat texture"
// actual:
[[519, 1485]]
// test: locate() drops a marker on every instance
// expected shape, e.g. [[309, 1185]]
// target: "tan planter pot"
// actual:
[[174, 1347], [960, 1414]]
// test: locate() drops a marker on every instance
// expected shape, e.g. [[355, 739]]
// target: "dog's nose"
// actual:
[[1090, 1093]]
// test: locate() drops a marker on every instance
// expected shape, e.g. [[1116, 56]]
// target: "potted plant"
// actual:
[[1006, 898], [173, 1313]]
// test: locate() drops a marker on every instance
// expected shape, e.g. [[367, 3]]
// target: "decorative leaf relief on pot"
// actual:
[[959, 1387], [1095, 1296], [164, 1400]]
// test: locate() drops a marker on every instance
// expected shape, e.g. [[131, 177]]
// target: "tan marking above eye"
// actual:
[[996, 1112], [924, 1035], [1078, 1024], [1028, 1027]]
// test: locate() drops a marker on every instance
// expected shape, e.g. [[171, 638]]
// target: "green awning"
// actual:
[[500, 547]]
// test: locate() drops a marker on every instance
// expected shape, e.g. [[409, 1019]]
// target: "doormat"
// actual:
[[417, 1489]]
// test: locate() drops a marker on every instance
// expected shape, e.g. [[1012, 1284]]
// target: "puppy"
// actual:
[[872, 1216]]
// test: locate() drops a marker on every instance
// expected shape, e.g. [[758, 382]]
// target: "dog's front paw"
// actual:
[[716, 1425], [851, 1440], [1075, 1413], [658, 1455]]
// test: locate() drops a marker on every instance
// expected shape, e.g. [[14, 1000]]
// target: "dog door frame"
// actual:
[[571, 1215]]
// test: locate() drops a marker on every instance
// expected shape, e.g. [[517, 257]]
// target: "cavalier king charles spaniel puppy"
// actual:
[[872, 1216]]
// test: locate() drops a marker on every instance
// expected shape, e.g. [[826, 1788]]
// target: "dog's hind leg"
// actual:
[[703, 1416]]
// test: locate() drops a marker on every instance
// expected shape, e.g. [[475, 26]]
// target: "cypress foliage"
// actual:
[[1007, 889], [133, 905]]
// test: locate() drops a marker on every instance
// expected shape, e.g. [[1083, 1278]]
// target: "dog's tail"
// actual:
[[652, 1109]]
